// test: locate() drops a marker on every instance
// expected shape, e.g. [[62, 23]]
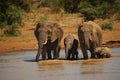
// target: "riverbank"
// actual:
[[28, 42], [69, 23]]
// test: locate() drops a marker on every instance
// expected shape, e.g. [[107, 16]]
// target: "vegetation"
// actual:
[[43, 18], [12, 11], [106, 25], [11, 16], [91, 9], [71, 6]]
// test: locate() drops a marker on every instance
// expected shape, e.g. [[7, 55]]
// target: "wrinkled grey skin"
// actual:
[[90, 37], [71, 47], [49, 36], [103, 52]]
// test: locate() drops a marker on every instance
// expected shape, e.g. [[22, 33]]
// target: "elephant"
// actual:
[[103, 52], [71, 46], [90, 37], [48, 35]]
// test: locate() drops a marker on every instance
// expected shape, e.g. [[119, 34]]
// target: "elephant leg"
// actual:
[[98, 55], [49, 54], [69, 54], [55, 54], [38, 55], [85, 54], [73, 56], [44, 54], [76, 54], [92, 54], [58, 51]]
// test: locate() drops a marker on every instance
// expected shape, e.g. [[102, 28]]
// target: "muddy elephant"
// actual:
[[103, 52], [48, 35], [71, 47], [90, 37]]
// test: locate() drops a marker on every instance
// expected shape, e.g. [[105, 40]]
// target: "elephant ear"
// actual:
[[93, 34], [55, 32], [90, 29], [36, 32]]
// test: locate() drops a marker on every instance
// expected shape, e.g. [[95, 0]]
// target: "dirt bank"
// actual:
[[69, 23], [28, 42]]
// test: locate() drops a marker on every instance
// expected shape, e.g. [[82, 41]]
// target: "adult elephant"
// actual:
[[90, 37], [71, 46], [48, 35]]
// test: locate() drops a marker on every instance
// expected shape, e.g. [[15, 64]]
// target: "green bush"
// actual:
[[106, 25], [55, 5], [43, 18], [11, 19], [12, 30], [14, 14], [44, 3], [23, 4], [71, 6], [89, 13], [88, 10], [103, 10]]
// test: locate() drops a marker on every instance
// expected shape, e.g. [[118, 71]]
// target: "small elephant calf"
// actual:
[[103, 52], [71, 46]]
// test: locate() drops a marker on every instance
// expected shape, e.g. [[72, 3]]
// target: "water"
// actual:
[[22, 66]]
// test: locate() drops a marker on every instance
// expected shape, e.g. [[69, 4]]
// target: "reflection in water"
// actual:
[[20, 66], [92, 66], [53, 65]]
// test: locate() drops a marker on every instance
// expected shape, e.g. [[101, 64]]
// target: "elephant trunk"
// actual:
[[66, 52], [86, 37], [38, 54]]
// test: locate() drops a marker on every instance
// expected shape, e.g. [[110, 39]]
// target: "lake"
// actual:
[[22, 66]]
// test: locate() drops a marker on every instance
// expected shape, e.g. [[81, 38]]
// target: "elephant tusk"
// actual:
[[45, 42]]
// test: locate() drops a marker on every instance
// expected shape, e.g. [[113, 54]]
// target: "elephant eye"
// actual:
[[48, 32]]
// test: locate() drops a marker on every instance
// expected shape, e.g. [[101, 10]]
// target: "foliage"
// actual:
[[13, 14], [43, 18], [55, 5], [10, 17], [12, 30], [104, 10], [71, 6], [44, 3], [88, 10], [106, 26], [92, 8]]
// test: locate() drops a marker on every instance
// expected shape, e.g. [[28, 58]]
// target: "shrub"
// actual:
[[55, 5], [14, 14], [71, 6], [88, 10], [44, 3], [43, 18], [12, 30], [106, 25], [11, 19], [23, 4], [103, 10], [89, 13]]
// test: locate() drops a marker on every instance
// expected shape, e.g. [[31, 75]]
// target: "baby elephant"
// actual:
[[102, 52], [71, 46]]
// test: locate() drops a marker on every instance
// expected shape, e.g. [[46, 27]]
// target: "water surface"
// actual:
[[22, 66]]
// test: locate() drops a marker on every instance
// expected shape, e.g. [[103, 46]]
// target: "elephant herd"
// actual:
[[49, 36]]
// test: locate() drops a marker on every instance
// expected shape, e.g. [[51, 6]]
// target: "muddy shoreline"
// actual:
[[110, 44], [28, 42]]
